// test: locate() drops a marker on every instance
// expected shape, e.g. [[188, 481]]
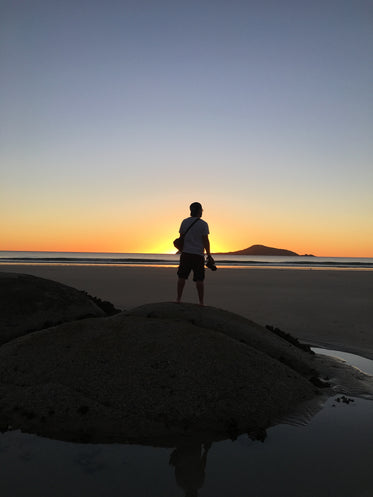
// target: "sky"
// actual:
[[116, 115]]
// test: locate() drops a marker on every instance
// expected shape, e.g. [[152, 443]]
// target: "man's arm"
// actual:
[[206, 244]]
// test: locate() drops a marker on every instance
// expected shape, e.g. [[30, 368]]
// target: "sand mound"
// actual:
[[28, 303], [135, 377]]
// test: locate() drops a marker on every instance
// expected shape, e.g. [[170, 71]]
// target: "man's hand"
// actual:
[[210, 263]]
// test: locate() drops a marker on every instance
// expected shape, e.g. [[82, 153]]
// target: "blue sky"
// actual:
[[119, 110]]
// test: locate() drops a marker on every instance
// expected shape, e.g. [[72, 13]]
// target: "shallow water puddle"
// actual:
[[330, 456], [362, 363]]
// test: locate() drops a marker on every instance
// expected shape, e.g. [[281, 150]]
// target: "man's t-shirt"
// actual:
[[193, 241]]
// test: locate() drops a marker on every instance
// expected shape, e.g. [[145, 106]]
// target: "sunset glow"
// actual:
[[116, 117], [156, 235]]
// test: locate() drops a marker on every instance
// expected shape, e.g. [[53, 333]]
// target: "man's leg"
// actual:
[[201, 290], [180, 288]]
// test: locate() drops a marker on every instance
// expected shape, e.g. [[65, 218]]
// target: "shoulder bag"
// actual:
[[179, 242]]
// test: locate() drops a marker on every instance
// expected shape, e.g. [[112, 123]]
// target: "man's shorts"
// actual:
[[189, 262]]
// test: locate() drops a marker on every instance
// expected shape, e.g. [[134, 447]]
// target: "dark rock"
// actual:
[[289, 338], [319, 383], [83, 409], [104, 305], [104, 386], [344, 399], [29, 303]]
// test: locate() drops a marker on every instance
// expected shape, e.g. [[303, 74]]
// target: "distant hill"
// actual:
[[261, 250]]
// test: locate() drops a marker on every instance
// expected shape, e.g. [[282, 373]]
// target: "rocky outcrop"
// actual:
[[153, 375], [160, 374], [234, 326], [29, 303]]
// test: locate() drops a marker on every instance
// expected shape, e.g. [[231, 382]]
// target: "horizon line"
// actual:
[[174, 253]]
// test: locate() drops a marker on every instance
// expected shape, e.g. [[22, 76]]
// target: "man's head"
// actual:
[[196, 209]]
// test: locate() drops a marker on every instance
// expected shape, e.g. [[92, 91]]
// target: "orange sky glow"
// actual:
[[112, 124], [154, 233]]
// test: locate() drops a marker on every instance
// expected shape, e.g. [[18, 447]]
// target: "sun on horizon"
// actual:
[[167, 248]]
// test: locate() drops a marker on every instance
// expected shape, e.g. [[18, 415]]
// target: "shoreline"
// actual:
[[174, 266], [172, 260], [330, 308]]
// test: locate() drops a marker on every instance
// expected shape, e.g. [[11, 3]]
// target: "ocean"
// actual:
[[171, 260]]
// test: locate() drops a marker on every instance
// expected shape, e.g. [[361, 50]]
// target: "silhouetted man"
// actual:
[[196, 241]]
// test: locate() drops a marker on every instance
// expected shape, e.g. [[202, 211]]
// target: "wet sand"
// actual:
[[332, 308]]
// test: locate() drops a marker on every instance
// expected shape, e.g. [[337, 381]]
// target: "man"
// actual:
[[196, 241]]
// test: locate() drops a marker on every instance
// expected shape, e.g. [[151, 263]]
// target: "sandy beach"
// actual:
[[332, 308]]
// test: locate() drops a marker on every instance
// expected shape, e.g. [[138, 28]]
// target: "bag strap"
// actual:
[[193, 223]]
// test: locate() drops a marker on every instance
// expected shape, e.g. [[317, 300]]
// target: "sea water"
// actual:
[[222, 260], [330, 456]]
